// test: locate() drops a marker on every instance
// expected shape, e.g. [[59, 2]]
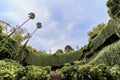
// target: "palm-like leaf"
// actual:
[[31, 15], [39, 25]]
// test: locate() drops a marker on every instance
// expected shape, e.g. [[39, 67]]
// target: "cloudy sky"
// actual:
[[64, 21]]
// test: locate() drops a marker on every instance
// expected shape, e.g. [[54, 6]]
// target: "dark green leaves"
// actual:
[[113, 8]]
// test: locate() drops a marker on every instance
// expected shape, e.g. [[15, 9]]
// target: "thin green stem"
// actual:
[[34, 32]]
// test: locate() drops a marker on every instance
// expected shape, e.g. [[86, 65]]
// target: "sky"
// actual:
[[64, 22]]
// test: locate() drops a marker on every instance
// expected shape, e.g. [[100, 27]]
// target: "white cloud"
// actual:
[[55, 34], [11, 15]]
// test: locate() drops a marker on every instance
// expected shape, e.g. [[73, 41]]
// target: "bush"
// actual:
[[8, 47], [34, 73], [83, 72], [115, 72], [90, 72], [67, 72], [8, 69], [100, 72], [11, 70]]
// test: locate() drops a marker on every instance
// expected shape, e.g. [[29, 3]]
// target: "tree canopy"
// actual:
[[113, 8], [68, 48]]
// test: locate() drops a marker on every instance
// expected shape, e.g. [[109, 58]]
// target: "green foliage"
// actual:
[[110, 55], [1, 29], [53, 60], [8, 69], [88, 72], [67, 72], [68, 48], [59, 51], [18, 37], [32, 50], [11, 70], [115, 72], [96, 31], [34, 73], [113, 8], [76, 63], [83, 72], [100, 72], [8, 47], [105, 34]]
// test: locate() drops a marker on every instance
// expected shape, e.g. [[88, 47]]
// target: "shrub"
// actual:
[[100, 72], [34, 73], [83, 72], [8, 47], [8, 69], [67, 72], [115, 72]]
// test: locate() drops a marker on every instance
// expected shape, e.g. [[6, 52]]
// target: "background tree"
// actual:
[[59, 51], [113, 8], [68, 48], [19, 35]]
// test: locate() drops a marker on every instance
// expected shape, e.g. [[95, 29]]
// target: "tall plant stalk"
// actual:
[[30, 15], [39, 25]]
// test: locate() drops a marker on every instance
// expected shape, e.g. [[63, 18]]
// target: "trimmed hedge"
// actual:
[[53, 60], [110, 55], [111, 29]]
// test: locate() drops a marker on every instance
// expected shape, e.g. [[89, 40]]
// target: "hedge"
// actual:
[[53, 59], [111, 29], [11, 70], [89, 72], [109, 55]]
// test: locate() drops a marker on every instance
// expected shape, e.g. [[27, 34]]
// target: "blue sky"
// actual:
[[64, 21]]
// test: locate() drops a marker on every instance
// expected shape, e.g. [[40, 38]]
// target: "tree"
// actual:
[[39, 25], [18, 35], [113, 8], [68, 48], [59, 51], [96, 30], [31, 16]]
